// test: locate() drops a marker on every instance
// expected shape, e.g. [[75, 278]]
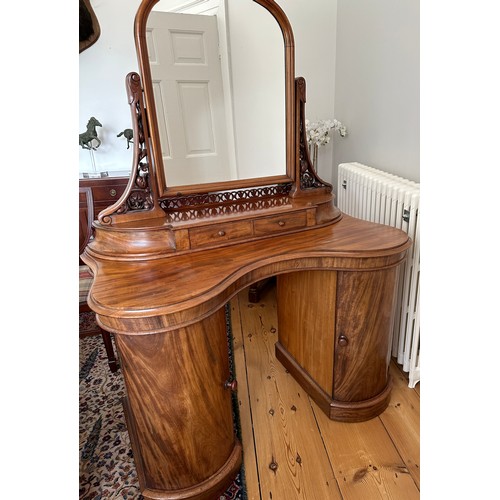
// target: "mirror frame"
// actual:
[[165, 191]]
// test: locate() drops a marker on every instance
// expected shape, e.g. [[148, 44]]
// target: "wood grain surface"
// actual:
[[306, 316], [375, 459], [365, 309], [291, 460], [164, 294], [179, 406]]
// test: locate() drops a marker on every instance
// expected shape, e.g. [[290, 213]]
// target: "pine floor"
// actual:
[[291, 450]]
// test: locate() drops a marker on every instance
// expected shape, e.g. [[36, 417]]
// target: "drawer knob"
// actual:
[[112, 192], [281, 223], [343, 341], [222, 233], [231, 384]]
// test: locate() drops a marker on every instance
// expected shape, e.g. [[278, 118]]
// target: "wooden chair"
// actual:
[[86, 217]]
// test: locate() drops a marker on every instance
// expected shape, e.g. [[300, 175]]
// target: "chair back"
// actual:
[[86, 215]]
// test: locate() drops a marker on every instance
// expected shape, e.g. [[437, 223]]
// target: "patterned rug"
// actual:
[[107, 469]]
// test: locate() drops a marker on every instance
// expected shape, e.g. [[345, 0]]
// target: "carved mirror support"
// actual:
[[140, 199], [307, 178], [149, 197]]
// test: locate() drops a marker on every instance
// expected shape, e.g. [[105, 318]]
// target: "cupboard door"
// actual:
[[365, 313], [180, 403]]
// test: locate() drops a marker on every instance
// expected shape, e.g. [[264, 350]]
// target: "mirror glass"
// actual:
[[218, 77]]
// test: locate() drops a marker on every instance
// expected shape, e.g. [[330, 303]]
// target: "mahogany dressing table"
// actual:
[[166, 259]]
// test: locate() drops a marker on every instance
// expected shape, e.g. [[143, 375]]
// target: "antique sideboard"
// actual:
[[166, 260], [105, 190]]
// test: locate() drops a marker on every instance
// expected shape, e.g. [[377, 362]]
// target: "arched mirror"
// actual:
[[218, 78]]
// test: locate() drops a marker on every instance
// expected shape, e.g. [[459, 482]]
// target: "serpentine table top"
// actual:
[[150, 296]]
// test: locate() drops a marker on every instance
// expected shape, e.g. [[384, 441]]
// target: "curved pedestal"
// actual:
[[179, 410], [338, 348], [208, 489]]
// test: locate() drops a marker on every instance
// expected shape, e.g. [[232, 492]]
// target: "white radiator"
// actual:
[[374, 195]]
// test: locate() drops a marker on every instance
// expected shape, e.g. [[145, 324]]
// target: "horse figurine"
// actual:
[[128, 133], [90, 134]]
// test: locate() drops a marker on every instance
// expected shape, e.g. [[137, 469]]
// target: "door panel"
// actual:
[[187, 82], [365, 308]]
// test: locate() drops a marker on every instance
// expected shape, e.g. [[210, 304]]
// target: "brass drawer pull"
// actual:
[[281, 223], [222, 233], [112, 192]]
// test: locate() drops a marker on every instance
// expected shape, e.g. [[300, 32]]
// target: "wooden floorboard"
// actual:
[[402, 422], [291, 459], [366, 463], [291, 450], [247, 435]]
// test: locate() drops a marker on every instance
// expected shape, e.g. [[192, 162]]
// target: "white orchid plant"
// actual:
[[318, 133]]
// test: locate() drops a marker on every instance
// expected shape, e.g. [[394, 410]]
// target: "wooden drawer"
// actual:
[[108, 191], [279, 223], [204, 236], [105, 191]]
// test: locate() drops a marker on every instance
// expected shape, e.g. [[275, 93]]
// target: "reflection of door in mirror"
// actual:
[[218, 83], [187, 85]]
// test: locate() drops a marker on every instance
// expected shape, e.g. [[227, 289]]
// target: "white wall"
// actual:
[[377, 85], [314, 28], [103, 68]]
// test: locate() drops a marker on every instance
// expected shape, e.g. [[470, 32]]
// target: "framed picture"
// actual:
[[89, 26]]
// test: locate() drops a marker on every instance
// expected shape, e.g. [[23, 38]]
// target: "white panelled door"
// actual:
[[187, 82]]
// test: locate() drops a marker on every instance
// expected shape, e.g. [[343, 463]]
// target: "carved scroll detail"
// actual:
[[308, 177], [139, 194]]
